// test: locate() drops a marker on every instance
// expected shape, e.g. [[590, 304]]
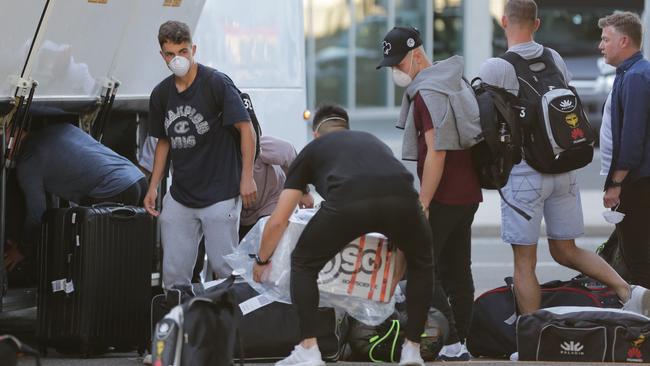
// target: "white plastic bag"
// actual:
[[355, 264]]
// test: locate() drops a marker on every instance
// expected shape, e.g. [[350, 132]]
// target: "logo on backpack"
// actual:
[[572, 348], [572, 120], [634, 352], [566, 104]]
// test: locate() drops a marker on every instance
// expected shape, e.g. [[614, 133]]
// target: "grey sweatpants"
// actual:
[[181, 229]]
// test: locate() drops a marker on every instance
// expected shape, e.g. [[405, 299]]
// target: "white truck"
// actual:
[[74, 54]]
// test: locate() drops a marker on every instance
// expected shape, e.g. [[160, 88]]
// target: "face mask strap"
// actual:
[[329, 119]]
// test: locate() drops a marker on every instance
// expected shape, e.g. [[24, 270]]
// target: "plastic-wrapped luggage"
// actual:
[[95, 279]]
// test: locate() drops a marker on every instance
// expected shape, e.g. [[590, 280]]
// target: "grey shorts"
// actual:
[[555, 197]]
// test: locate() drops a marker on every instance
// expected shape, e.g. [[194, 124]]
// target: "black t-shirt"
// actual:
[[199, 123], [346, 166]]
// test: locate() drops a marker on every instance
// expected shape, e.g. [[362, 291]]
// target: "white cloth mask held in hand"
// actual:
[[613, 216]]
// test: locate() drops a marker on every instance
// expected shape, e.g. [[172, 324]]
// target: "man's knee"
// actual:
[[563, 251]]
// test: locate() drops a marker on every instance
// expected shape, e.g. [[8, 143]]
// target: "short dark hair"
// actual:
[[175, 32], [625, 22], [339, 118], [521, 11]]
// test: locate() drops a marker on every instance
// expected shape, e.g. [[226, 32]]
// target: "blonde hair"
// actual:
[[521, 11], [625, 22]]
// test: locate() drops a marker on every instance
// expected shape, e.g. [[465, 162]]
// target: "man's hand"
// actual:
[[259, 272], [150, 202], [248, 190], [306, 201], [612, 197], [13, 256]]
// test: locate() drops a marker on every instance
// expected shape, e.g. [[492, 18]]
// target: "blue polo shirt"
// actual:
[[631, 118]]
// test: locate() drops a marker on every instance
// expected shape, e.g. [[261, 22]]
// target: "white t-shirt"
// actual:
[[606, 144]]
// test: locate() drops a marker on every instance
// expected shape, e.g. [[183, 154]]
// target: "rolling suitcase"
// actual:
[[95, 279]]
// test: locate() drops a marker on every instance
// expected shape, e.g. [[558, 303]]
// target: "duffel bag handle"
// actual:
[[107, 204], [123, 212]]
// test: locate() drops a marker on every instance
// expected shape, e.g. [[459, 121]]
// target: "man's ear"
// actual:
[[624, 42], [504, 22], [193, 50], [316, 134], [537, 24]]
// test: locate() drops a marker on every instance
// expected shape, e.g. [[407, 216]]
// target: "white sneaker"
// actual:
[[639, 301], [147, 359], [453, 352], [303, 357], [411, 355], [514, 356]]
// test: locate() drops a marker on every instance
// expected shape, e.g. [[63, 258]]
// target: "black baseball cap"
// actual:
[[397, 43]]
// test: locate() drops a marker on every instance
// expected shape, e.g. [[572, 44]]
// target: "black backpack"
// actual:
[[200, 331], [500, 148], [557, 136], [383, 343], [248, 104]]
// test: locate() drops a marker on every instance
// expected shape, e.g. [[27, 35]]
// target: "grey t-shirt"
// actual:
[[499, 72], [269, 172]]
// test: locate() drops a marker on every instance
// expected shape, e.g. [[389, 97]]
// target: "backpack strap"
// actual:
[[523, 70]]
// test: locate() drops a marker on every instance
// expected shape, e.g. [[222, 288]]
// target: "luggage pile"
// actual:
[[580, 320], [199, 331]]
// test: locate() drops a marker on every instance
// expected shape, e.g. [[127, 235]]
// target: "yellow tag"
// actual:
[[174, 3]]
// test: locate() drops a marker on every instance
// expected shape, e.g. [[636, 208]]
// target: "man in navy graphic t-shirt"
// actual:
[[202, 125]]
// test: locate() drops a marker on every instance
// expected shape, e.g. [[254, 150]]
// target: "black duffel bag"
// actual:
[[492, 331], [215, 329], [271, 332], [583, 334]]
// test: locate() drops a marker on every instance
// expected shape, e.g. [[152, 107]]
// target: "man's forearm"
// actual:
[[273, 231], [159, 162], [247, 139], [434, 165]]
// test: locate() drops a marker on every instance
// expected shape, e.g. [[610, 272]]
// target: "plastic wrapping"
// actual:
[[368, 268]]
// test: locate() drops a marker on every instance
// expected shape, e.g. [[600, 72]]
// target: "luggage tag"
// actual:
[[254, 303]]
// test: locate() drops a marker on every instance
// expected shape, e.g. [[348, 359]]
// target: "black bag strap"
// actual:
[[515, 208], [21, 347], [523, 71]]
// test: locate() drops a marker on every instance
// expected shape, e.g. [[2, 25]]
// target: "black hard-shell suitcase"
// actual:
[[95, 279]]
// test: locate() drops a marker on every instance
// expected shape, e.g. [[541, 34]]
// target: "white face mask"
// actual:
[[613, 216], [179, 65], [400, 78]]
